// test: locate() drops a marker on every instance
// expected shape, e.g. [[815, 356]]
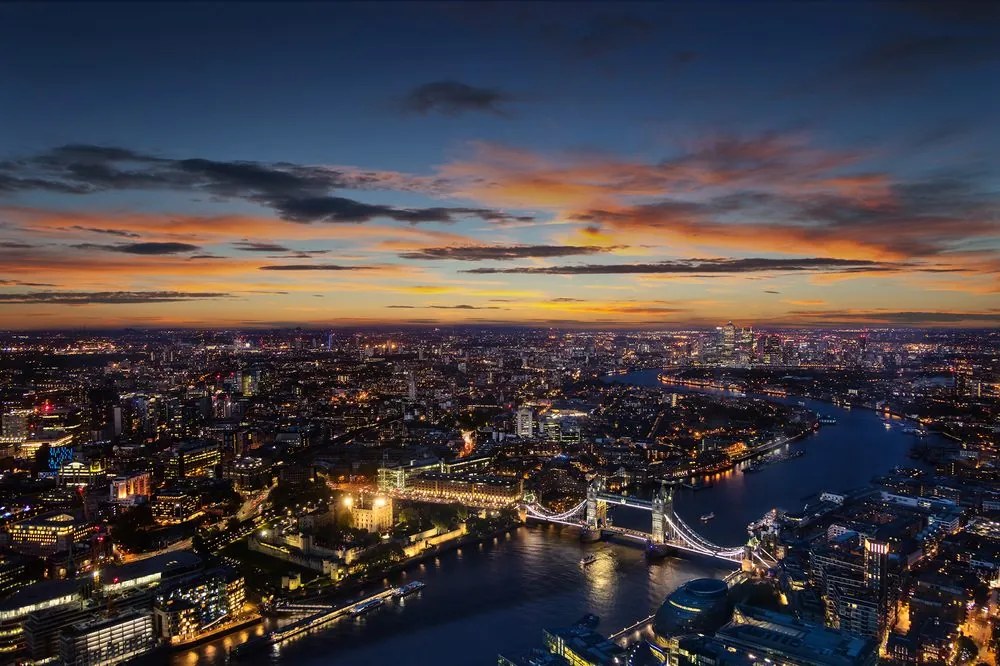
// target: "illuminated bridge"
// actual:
[[667, 527]]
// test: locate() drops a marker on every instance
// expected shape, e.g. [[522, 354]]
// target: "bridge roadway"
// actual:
[[682, 536], [673, 531]]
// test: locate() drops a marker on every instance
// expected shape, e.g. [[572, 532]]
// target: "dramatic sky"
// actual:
[[599, 164]]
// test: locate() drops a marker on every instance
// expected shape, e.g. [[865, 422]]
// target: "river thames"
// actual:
[[497, 597]]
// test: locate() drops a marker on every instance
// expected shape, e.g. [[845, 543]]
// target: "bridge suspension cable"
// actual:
[[537, 511]]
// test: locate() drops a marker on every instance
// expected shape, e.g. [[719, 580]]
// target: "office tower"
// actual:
[[525, 426]]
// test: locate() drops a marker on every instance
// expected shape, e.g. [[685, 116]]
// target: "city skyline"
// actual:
[[625, 165]]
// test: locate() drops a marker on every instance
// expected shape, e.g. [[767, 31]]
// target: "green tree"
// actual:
[[409, 515], [966, 650]]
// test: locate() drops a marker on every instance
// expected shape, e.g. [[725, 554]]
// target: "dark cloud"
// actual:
[[107, 297], [771, 291], [315, 267], [145, 248], [702, 267], [453, 98], [917, 218], [109, 232], [299, 193], [19, 283], [899, 318], [341, 210], [15, 245], [501, 252], [251, 246], [10, 183], [446, 307], [904, 63]]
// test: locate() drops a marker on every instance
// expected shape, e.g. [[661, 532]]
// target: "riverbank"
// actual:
[[359, 584], [664, 378], [217, 633]]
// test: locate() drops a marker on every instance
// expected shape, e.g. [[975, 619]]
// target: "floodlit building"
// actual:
[[131, 488], [193, 459], [48, 533], [782, 639], [370, 514], [198, 602], [525, 424], [174, 505], [107, 640]]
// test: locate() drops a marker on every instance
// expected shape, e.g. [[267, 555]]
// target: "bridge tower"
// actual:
[[663, 506], [597, 512], [597, 508]]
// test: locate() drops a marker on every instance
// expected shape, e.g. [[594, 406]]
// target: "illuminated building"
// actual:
[[373, 515], [40, 596], [248, 474], [852, 574], [81, 473], [525, 422], [781, 639], [471, 488], [193, 459], [174, 505], [399, 477], [699, 605], [13, 574], [108, 640], [727, 344], [152, 570], [131, 488], [48, 533], [582, 645], [15, 424], [198, 602], [27, 449]]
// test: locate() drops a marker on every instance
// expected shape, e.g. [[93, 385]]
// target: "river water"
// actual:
[[497, 597]]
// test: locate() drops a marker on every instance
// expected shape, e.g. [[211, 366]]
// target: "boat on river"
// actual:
[[408, 589], [366, 607]]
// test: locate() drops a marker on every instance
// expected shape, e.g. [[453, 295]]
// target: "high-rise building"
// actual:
[[525, 425], [727, 344], [16, 424], [852, 572], [411, 385]]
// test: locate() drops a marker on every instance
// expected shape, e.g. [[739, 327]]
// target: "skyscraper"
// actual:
[[727, 344], [525, 422]]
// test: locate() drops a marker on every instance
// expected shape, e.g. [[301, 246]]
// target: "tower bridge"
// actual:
[[667, 530]]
